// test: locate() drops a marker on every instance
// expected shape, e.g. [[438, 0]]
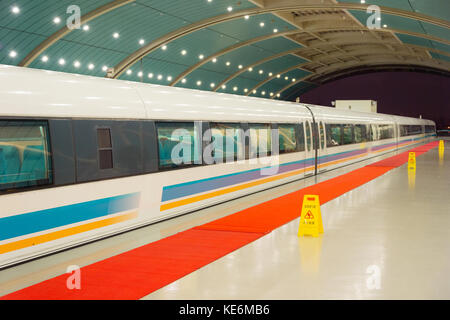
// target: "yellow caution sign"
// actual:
[[412, 161], [311, 217], [441, 144]]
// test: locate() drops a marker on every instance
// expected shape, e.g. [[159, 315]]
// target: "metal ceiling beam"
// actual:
[[291, 6], [36, 52]]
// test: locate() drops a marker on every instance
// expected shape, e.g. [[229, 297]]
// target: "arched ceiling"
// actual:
[[264, 48]]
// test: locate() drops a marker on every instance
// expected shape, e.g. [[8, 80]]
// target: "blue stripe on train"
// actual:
[[27, 223]]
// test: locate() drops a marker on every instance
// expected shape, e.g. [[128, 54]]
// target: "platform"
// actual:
[[394, 226]]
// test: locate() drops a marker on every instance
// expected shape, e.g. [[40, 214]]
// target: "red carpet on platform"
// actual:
[[141, 271]]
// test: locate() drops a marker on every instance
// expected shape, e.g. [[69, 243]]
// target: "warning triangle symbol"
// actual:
[[309, 215]]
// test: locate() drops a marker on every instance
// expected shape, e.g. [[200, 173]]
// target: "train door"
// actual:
[[322, 146], [309, 150]]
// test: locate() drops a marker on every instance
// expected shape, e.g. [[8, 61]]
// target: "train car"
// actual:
[[83, 158]]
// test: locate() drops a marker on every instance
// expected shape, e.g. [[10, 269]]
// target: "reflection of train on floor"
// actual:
[[82, 157]]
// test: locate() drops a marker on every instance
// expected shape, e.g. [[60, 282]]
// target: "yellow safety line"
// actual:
[[8, 247]]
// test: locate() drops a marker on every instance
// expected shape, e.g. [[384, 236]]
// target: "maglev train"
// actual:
[[83, 158]]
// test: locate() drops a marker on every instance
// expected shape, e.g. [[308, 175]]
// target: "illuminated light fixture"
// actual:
[[140, 74], [201, 57], [44, 59], [169, 78], [240, 66], [164, 47], [263, 93], [129, 72], [142, 42], [363, 1], [199, 83], [275, 30], [278, 95], [183, 52], [105, 68], [384, 25], [245, 90], [235, 89], [271, 94], [230, 9], [91, 66], [247, 17], [214, 60], [56, 20], [262, 24], [254, 91], [150, 75], [278, 76], [224, 86], [270, 74], [261, 71], [13, 54], [286, 78], [209, 0], [183, 81], [77, 64], [378, 19], [250, 69], [228, 63], [160, 76], [293, 80], [212, 85], [116, 35], [62, 61], [15, 10], [86, 27]]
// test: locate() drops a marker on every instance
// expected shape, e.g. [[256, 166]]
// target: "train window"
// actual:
[[373, 132], [360, 133], [333, 135], [178, 144], [385, 131], [322, 136], [288, 141], [429, 129], [105, 158], [347, 134], [24, 154], [260, 140], [308, 136], [301, 138], [228, 142]]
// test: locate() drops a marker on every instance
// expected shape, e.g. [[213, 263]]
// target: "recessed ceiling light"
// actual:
[[160, 76], [275, 30], [214, 60], [141, 42], [224, 86], [228, 63], [286, 78], [384, 25], [278, 76], [235, 89], [169, 78], [378, 19], [86, 27], [201, 57], [13, 54], [271, 94], [270, 74], [278, 95], [250, 69], [164, 47], [293, 80], [91, 66], [262, 24], [230, 9], [140, 74], [263, 93], [183, 52], [116, 35], [261, 71], [15, 10], [212, 85], [44, 59], [363, 1], [183, 81], [247, 17], [150, 75], [56, 20], [62, 61], [199, 83], [129, 71], [240, 66], [254, 91], [77, 64], [245, 90], [105, 68]]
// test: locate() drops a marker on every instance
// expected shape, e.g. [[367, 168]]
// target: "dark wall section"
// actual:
[[402, 93]]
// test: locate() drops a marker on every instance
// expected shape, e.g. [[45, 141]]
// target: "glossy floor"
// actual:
[[387, 228]]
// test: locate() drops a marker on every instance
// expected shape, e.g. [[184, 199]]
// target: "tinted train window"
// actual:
[[429, 129], [385, 131], [260, 140], [322, 136], [105, 156], [347, 131], [288, 141], [228, 142], [308, 136], [360, 133], [301, 138], [333, 135], [410, 130], [178, 144], [24, 154]]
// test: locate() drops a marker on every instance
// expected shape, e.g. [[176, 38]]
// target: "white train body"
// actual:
[[76, 202]]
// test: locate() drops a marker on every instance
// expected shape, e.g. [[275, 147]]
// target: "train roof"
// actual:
[[28, 92]]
